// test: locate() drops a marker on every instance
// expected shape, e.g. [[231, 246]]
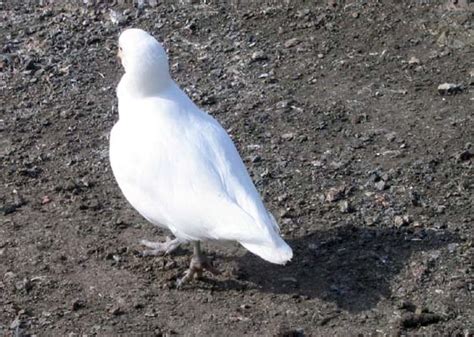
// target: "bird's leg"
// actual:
[[160, 248], [199, 263]]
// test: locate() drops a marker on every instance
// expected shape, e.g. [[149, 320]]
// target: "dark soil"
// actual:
[[335, 109]]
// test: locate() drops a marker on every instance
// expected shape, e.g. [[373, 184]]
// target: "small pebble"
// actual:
[[258, 56], [291, 42], [413, 60], [334, 194], [380, 185], [288, 136], [345, 207], [116, 310], [449, 89]]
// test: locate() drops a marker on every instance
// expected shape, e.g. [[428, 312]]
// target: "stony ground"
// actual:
[[335, 109]]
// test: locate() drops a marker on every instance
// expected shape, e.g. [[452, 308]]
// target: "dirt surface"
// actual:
[[335, 109]]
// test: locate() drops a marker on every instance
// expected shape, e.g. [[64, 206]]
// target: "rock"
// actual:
[[434, 255], [24, 284], [5, 60], [415, 198], [45, 200], [327, 319], [359, 118], [265, 173], [150, 313], [292, 42], [407, 305], [138, 305], [452, 247], [116, 310], [450, 89], [374, 176], [335, 193], [141, 4], [77, 304], [464, 156], [117, 18], [209, 100], [442, 39], [345, 207], [317, 163], [284, 104], [259, 56], [290, 333], [30, 65], [413, 320], [288, 136], [255, 159], [9, 275], [289, 279], [413, 60], [15, 324], [457, 5], [286, 213], [399, 221], [282, 197], [385, 177], [380, 185], [9, 208], [440, 209]]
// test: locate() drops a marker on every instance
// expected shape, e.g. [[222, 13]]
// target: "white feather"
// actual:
[[178, 167]]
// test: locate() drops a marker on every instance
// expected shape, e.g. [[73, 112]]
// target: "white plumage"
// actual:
[[177, 166]]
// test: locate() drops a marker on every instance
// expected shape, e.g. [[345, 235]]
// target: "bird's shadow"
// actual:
[[350, 266]]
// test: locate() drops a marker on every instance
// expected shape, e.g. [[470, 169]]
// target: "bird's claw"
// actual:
[[160, 248], [196, 268]]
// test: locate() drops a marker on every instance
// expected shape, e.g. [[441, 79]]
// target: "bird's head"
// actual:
[[144, 59]]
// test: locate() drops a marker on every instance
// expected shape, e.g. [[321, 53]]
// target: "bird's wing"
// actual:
[[185, 172]]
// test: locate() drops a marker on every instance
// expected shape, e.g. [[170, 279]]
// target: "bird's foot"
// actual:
[[160, 248], [198, 265]]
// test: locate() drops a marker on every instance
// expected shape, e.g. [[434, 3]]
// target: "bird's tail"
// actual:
[[276, 251], [259, 234]]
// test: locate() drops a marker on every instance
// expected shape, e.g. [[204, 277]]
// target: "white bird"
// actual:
[[178, 167]]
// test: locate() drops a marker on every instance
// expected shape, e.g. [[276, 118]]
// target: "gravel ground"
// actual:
[[336, 111]]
